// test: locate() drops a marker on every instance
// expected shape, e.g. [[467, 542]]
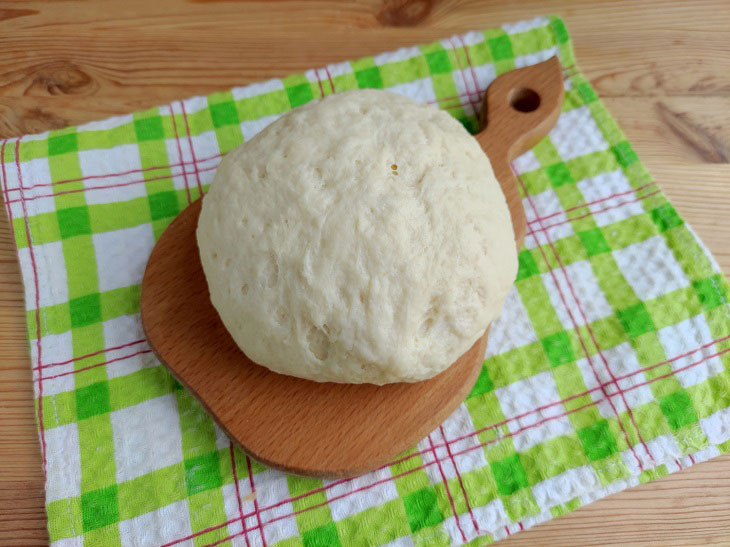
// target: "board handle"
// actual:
[[520, 108]]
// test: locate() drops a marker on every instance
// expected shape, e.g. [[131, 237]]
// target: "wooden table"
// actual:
[[665, 74]]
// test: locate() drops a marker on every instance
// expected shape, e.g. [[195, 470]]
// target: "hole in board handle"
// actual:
[[524, 99]]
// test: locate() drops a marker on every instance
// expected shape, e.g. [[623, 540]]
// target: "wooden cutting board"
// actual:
[[328, 429]]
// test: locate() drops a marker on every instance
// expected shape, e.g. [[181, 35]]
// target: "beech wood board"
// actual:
[[327, 429]]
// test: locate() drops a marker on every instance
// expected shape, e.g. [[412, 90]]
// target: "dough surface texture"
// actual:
[[362, 238]]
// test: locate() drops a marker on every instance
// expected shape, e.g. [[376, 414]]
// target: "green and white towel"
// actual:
[[608, 367]]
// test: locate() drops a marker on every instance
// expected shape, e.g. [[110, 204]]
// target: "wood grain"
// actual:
[[327, 429], [139, 54]]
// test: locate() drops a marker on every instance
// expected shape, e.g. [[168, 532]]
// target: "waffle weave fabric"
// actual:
[[608, 367]]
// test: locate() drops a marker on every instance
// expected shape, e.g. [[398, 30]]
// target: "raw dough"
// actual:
[[359, 238]]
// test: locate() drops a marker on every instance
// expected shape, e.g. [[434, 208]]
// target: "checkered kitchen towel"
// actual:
[[607, 368]]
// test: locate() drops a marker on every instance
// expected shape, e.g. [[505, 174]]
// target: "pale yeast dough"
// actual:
[[324, 263]]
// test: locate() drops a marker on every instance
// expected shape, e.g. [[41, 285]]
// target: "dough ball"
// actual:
[[362, 238]]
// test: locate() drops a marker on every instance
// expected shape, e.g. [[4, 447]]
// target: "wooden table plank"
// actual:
[[661, 66]]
